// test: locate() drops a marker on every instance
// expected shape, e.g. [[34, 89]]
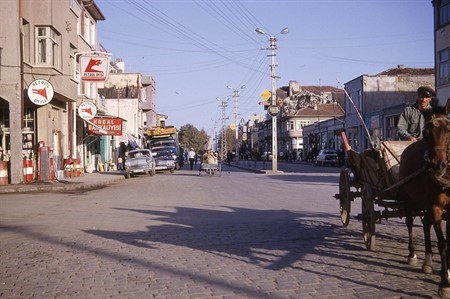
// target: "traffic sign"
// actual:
[[273, 110], [232, 126], [265, 95]]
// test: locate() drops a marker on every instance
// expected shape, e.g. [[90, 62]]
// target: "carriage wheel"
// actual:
[[368, 217], [345, 196]]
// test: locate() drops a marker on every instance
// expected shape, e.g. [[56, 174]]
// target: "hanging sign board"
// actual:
[[111, 126], [94, 67], [40, 92], [87, 110]]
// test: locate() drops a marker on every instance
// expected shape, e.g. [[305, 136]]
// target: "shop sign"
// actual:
[[40, 92], [111, 125], [87, 110], [94, 67]]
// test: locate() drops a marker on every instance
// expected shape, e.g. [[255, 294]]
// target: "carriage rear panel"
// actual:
[[392, 151], [378, 167]]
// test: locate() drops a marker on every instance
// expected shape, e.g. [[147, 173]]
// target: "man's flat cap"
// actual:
[[426, 91]]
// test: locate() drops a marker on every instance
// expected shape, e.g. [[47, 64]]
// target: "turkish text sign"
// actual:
[[94, 67]]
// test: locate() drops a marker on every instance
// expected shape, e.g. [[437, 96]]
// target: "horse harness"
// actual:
[[443, 179]]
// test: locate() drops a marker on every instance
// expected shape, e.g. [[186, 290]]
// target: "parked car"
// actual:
[[164, 161], [139, 161], [327, 156]]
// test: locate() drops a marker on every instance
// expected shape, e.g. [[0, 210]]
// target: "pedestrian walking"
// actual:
[[120, 164], [191, 157]]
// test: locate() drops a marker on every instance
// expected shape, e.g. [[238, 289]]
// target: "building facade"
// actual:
[[442, 48], [374, 103], [41, 44]]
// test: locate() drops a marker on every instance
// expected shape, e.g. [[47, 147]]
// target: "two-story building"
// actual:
[[303, 106], [374, 102]]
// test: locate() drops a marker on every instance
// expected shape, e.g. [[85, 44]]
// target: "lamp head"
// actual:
[[285, 31], [259, 31]]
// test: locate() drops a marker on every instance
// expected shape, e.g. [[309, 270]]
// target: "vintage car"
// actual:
[[164, 160], [327, 156], [139, 161]]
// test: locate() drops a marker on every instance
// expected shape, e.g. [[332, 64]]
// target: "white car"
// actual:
[[139, 161], [327, 156]]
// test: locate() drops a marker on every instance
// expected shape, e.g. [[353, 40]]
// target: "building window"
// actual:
[[291, 125], [73, 63], [26, 41], [92, 33], [444, 13], [444, 66], [48, 47], [391, 127], [28, 119]]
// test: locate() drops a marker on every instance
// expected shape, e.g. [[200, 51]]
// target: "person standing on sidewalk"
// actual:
[[191, 157]]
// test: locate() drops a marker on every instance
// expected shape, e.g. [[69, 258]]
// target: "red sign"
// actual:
[[94, 67], [105, 126]]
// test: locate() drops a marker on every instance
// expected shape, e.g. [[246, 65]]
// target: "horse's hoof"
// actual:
[[444, 292], [427, 269], [412, 260]]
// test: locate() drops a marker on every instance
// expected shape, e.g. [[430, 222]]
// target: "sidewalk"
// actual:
[[87, 181]]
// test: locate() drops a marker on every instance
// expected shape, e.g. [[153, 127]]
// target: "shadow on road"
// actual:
[[272, 239]]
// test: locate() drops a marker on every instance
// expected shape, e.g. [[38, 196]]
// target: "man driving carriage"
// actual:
[[411, 121], [209, 157]]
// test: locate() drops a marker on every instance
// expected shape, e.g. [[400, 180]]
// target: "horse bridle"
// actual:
[[435, 122]]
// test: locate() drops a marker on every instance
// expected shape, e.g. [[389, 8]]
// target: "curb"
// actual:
[[58, 186]]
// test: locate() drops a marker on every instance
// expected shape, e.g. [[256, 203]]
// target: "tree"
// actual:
[[190, 136]]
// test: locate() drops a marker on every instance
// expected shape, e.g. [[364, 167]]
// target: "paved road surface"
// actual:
[[241, 235]]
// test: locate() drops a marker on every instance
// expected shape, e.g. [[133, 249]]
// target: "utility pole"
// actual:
[[273, 102], [236, 137], [213, 136], [223, 148]]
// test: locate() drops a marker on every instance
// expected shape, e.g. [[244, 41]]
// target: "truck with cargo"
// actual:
[[165, 139]]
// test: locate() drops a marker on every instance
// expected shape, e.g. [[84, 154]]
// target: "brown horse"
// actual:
[[428, 193]]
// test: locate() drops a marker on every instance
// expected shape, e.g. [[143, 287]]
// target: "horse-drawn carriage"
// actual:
[[210, 164], [404, 179], [210, 168], [372, 175]]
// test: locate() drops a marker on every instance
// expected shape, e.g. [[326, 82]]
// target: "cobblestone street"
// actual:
[[241, 235]]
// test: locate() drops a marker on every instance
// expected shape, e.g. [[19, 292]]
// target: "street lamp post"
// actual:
[[236, 137], [273, 102]]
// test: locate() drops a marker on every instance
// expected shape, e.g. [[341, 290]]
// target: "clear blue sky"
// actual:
[[195, 48]]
